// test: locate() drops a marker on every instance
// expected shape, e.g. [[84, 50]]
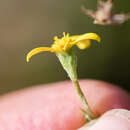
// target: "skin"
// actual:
[[115, 119], [57, 106]]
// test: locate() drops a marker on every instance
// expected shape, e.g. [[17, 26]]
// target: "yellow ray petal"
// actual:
[[36, 51], [83, 44], [87, 36]]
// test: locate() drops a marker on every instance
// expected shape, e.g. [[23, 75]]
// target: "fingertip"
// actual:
[[116, 119], [57, 106]]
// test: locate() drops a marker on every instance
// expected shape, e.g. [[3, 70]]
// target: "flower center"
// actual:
[[62, 44]]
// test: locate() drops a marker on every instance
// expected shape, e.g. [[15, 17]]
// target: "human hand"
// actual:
[[57, 106]]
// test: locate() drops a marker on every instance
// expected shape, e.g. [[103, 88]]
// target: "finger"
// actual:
[[57, 106], [116, 119]]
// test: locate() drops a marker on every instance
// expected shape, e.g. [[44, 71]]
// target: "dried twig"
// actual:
[[104, 14]]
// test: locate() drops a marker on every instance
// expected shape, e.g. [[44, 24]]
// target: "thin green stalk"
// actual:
[[88, 113], [69, 63]]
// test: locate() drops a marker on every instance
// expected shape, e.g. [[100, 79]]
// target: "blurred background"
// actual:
[[26, 24]]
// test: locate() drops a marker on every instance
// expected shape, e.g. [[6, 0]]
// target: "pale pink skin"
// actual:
[[57, 106], [114, 119]]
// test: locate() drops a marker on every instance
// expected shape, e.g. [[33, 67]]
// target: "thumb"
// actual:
[[116, 119]]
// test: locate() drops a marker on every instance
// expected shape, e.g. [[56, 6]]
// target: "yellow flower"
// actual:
[[65, 43], [62, 48]]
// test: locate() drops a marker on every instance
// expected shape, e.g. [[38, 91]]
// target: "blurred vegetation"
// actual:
[[27, 24]]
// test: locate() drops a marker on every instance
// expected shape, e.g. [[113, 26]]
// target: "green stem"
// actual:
[[88, 113], [69, 63]]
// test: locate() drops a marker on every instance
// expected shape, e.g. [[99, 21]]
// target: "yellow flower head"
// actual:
[[65, 43]]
